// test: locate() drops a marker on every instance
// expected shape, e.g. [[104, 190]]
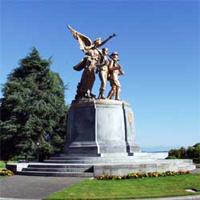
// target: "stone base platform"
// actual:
[[94, 166], [107, 158], [144, 167], [101, 141]]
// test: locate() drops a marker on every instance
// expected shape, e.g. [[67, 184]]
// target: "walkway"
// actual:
[[33, 187]]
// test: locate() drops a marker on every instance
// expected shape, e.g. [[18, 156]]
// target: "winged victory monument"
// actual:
[[100, 136]]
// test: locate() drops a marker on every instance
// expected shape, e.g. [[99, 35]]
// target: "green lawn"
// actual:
[[130, 188], [2, 164]]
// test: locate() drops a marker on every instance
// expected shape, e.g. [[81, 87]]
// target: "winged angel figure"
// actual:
[[88, 63]]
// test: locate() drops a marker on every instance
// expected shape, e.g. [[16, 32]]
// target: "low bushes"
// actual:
[[6, 172], [192, 152], [141, 175]]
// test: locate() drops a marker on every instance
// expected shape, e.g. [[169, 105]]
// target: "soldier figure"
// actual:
[[114, 71], [103, 72]]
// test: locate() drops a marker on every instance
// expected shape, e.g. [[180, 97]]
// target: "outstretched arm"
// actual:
[[106, 40]]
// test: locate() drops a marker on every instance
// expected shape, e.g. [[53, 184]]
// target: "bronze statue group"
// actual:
[[97, 61]]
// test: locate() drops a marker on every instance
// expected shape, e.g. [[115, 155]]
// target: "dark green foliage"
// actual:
[[192, 152], [32, 110]]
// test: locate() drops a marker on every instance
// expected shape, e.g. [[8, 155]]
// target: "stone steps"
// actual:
[[108, 163], [71, 158], [55, 169], [56, 165], [97, 161], [57, 174], [91, 169], [50, 169], [105, 158]]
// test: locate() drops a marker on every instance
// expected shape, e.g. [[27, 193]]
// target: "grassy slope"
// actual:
[[131, 188]]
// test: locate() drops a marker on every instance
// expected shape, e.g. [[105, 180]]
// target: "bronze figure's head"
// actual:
[[105, 51], [97, 42], [115, 56]]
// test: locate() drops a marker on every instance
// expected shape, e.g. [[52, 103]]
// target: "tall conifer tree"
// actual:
[[32, 110]]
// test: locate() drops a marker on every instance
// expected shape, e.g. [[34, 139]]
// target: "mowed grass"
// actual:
[[2, 164], [131, 188]]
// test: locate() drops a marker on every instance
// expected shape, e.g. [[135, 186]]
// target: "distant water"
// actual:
[[158, 148]]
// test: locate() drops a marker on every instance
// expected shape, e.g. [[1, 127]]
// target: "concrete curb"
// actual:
[[193, 197], [190, 197], [1, 198]]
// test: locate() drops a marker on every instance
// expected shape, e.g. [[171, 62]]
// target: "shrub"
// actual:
[[6, 172], [141, 175], [189, 153]]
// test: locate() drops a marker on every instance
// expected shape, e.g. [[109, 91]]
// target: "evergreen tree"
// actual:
[[32, 110]]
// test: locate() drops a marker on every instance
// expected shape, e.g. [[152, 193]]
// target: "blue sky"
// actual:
[[158, 43]]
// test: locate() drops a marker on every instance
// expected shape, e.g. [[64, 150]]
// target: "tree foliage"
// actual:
[[32, 110], [192, 152]]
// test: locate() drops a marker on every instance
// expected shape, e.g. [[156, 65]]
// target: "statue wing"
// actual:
[[80, 65], [83, 40]]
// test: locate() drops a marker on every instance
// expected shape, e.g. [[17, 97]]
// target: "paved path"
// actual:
[[33, 187]]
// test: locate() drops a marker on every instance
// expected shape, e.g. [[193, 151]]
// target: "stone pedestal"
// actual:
[[100, 128], [101, 141]]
